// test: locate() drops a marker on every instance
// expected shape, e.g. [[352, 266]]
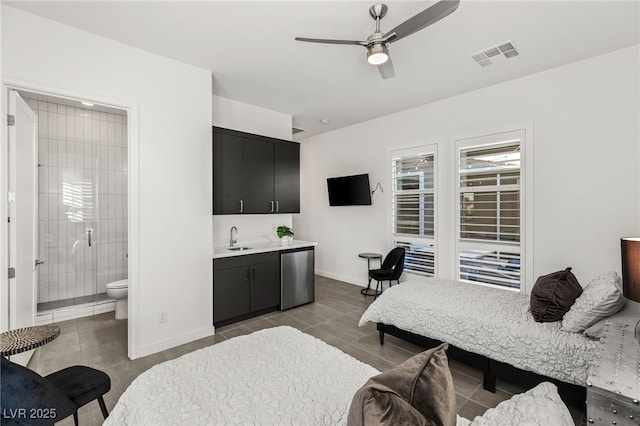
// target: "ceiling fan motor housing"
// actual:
[[377, 11]]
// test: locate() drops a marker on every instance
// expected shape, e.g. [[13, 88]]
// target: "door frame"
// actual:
[[22, 140], [131, 106]]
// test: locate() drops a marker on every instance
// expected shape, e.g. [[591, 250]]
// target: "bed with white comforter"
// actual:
[[490, 322], [281, 376], [276, 376]]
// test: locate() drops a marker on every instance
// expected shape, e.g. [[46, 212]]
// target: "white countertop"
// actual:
[[259, 247]]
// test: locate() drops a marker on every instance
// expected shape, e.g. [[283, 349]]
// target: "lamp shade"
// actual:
[[631, 268]]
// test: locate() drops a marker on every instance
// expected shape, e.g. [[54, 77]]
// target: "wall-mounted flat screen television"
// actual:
[[349, 190]]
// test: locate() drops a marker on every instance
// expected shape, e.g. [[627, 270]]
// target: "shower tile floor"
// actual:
[[65, 303]]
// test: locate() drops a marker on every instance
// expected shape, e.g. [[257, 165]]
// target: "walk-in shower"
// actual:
[[82, 200]]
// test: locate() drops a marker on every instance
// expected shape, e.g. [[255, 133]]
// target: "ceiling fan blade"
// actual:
[[322, 40], [386, 69], [425, 18]]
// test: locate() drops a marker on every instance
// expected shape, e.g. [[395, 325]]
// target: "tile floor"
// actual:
[[100, 341]]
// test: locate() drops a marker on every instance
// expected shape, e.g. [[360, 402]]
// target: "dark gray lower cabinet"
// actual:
[[245, 286], [265, 286]]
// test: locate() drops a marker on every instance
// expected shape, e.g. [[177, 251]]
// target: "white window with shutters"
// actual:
[[490, 237], [413, 173]]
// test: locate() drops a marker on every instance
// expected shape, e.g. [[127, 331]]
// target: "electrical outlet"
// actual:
[[162, 318]]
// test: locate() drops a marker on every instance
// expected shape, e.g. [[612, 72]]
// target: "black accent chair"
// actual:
[[30, 399], [390, 270]]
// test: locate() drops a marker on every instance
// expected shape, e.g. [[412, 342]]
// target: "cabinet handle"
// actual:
[[247, 276], [277, 206], [253, 274], [271, 206], [241, 206]]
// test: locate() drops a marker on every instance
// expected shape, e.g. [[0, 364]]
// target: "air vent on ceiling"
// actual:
[[496, 54], [295, 130]]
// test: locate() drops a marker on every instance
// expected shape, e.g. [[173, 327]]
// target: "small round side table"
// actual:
[[24, 339], [369, 257]]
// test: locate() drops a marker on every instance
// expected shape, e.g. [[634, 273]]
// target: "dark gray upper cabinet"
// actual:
[[227, 172], [254, 174], [257, 176], [287, 178]]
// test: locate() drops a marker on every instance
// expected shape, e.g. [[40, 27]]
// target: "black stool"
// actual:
[[82, 385]]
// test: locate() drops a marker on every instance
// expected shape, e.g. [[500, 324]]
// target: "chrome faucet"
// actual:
[[232, 240]]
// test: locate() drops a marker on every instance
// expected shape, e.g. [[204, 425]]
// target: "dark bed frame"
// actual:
[[571, 394]]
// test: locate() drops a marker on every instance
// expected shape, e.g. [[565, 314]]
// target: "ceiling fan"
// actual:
[[377, 44]]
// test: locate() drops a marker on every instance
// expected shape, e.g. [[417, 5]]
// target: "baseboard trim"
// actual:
[[346, 279], [174, 341]]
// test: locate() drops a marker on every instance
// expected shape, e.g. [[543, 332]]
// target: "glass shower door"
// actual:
[[67, 180], [81, 250], [82, 179]]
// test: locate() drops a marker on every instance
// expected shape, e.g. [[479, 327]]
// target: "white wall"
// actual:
[[169, 169], [235, 115], [251, 227], [243, 117], [586, 147]]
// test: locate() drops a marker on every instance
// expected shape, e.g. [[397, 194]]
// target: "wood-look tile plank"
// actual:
[[101, 341]]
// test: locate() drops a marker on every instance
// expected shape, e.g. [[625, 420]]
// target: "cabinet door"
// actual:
[[265, 285], [257, 184], [231, 289], [287, 177], [227, 173]]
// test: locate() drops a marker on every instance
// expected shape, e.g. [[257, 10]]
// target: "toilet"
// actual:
[[119, 290]]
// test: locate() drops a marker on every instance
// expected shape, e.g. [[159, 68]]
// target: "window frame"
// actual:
[[429, 148], [525, 246]]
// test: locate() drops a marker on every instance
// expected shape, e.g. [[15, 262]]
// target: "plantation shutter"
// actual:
[[413, 209], [489, 213]]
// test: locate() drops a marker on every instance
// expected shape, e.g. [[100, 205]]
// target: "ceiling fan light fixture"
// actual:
[[377, 54], [378, 42]]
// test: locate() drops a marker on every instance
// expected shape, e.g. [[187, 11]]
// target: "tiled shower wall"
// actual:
[[82, 186]]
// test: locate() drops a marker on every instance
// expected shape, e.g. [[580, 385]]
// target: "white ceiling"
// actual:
[[250, 48]]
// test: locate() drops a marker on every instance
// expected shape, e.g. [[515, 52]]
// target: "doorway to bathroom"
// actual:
[[82, 199]]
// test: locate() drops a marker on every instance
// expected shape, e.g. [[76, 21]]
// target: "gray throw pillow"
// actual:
[[601, 298], [417, 392]]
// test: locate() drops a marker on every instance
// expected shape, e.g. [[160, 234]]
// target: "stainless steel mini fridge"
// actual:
[[297, 277]]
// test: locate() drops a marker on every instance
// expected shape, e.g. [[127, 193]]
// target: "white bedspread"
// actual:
[[490, 322], [277, 376]]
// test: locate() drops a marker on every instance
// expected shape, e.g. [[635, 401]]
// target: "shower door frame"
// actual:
[[133, 199]]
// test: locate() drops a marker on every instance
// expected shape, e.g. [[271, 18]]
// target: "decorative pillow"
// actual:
[[417, 392], [629, 314], [595, 330], [538, 406], [552, 295], [601, 298]]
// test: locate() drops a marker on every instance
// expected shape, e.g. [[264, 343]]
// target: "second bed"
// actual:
[[493, 326]]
